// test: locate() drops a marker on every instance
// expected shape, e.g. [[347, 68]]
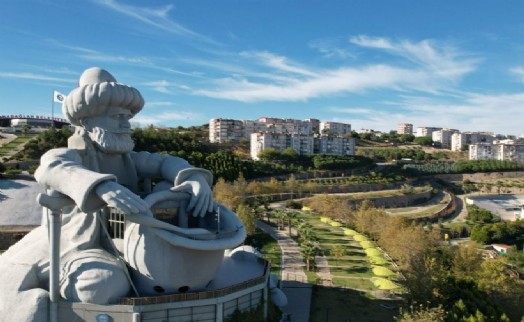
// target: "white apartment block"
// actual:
[[302, 144], [426, 131], [481, 151], [252, 127], [335, 128], [279, 133], [443, 137], [460, 140], [315, 124], [405, 128], [498, 150], [225, 130], [336, 145], [263, 140], [298, 127]]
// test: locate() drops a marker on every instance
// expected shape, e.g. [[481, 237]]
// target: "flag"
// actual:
[[58, 97]]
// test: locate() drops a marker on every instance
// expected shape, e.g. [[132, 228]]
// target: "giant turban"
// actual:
[[97, 91]]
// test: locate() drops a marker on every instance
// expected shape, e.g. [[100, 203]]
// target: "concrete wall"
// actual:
[[11, 234], [394, 201], [480, 176]]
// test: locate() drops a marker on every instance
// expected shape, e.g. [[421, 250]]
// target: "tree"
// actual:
[[26, 128], [306, 232], [225, 194], [466, 261], [292, 184], [247, 215], [269, 154], [422, 314], [309, 250], [369, 219], [423, 140], [280, 216], [354, 134], [289, 154], [403, 138], [338, 251], [494, 278], [289, 216]]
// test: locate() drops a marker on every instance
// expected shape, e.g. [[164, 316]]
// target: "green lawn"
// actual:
[[269, 249], [353, 295], [347, 305], [21, 139], [354, 283]]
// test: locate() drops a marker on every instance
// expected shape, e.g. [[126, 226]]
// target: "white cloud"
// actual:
[[519, 71], [166, 117], [279, 63], [474, 112], [272, 77], [471, 112], [161, 86], [32, 76], [444, 61], [327, 82], [156, 17], [371, 42], [159, 104], [329, 48]]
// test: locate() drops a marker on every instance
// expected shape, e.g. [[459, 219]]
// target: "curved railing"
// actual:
[[200, 295]]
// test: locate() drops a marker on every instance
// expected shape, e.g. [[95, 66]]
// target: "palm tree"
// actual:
[[306, 232], [338, 251], [309, 250], [280, 216], [289, 216]]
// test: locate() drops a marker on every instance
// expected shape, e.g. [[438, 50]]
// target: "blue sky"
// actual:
[[374, 64]]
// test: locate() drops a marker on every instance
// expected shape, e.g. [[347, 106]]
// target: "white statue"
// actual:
[[98, 169]]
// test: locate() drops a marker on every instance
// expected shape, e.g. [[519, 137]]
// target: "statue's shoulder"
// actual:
[[62, 153]]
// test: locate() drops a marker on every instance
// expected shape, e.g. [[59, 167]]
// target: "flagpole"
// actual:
[[53, 110]]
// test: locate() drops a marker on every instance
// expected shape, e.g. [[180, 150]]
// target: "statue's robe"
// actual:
[[74, 172]]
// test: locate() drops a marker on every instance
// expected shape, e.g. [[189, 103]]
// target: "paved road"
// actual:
[[18, 204], [294, 281]]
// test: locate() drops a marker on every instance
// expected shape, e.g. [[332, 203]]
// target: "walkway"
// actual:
[[323, 271], [294, 280], [5, 139]]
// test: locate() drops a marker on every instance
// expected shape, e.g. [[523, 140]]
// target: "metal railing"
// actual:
[[199, 295]]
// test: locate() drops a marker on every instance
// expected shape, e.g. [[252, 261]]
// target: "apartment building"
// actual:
[[498, 150], [442, 137], [225, 130], [460, 140], [302, 144], [315, 124], [279, 133], [405, 128], [335, 145], [290, 127], [426, 131], [334, 128], [252, 127]]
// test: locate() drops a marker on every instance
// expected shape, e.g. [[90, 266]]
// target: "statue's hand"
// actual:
[[118, 196], [201, 195]]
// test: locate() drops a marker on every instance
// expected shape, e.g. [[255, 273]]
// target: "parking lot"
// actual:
[[508, 207]]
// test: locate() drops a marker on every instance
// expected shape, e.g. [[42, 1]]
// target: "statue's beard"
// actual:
[[110, 142]]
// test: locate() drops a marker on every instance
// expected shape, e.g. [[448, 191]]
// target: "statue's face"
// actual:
[[111, 132], [115, 120]]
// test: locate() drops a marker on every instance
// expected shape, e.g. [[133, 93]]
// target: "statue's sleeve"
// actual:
[[167, 167], [62, 170]]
